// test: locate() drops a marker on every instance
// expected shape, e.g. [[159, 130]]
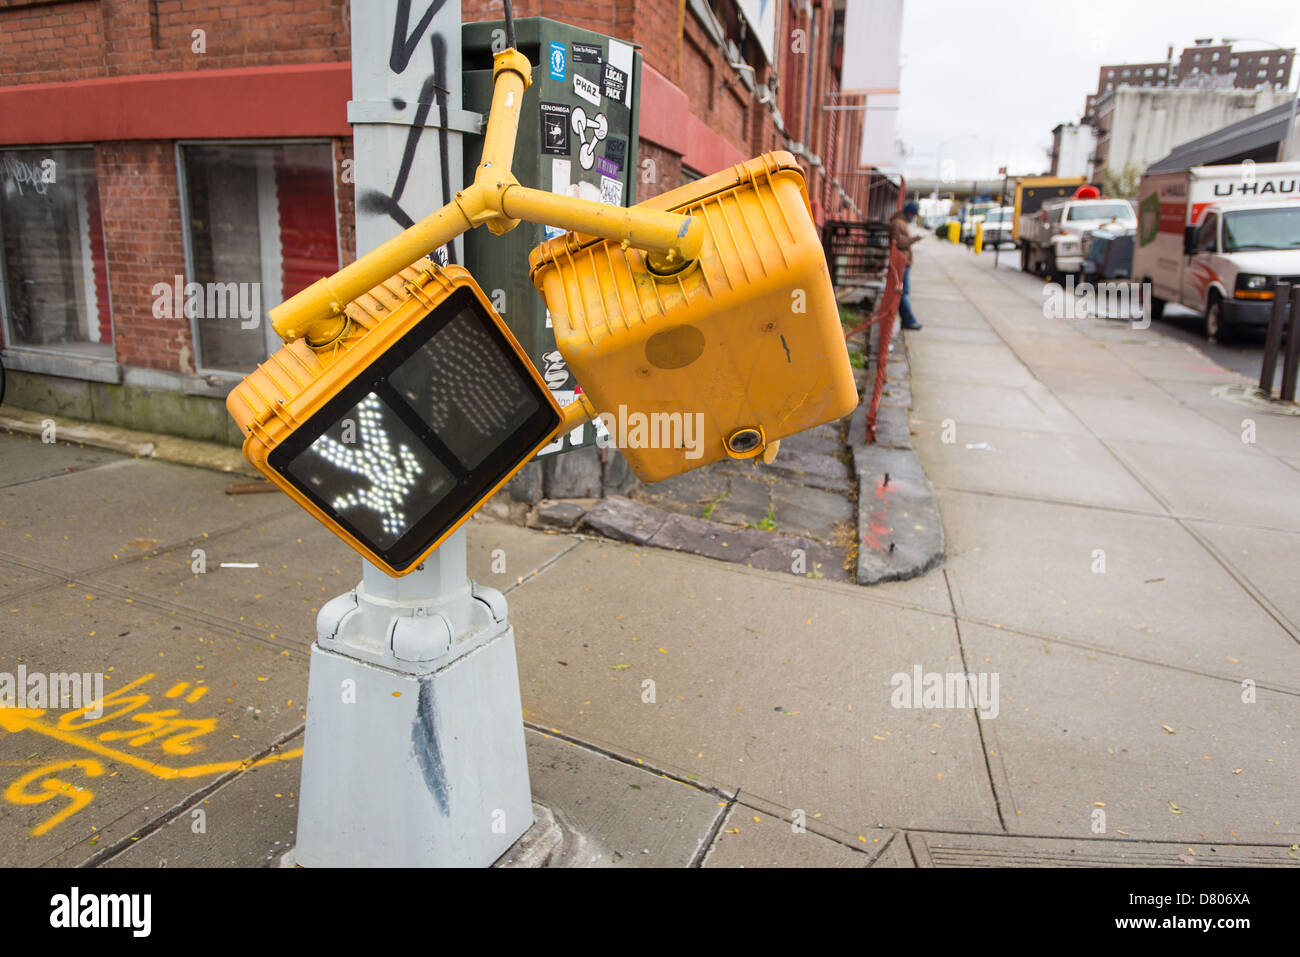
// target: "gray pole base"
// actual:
[[414, 753]]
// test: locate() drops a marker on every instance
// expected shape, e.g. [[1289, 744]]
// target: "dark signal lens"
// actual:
[[466, 388]]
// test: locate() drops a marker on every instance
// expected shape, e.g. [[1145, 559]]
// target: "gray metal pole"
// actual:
[[1273, 337], [1291, 364], [414, 751]]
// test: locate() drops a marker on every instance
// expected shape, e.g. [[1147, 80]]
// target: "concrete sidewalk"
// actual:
[[1119, 563]]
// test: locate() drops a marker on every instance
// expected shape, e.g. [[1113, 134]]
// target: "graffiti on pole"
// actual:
[[399, 180]]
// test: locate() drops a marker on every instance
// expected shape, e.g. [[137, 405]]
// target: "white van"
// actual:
[[1217, 239]]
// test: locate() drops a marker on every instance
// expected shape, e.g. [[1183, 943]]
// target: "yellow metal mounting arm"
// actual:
[[496, 199]]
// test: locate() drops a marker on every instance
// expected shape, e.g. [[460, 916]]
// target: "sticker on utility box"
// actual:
[[616, 150], [611, 191], [586, 52], [557, 62], [597, 126], [621, 56], [586, 89], [555, 128], [614, 81]]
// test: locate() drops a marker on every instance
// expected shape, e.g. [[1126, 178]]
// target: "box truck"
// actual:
[[1033, 191], [1217, 239]]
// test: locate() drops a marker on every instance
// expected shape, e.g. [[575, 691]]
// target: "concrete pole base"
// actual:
[[414, 771], [414, 752]]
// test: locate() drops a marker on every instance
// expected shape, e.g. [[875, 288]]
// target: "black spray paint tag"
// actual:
[[616, 150]]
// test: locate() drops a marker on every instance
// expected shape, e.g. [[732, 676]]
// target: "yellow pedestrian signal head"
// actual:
[[722, 357], [398, 431]]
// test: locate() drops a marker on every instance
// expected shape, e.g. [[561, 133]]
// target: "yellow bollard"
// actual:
[[954, 232], [979, 238]]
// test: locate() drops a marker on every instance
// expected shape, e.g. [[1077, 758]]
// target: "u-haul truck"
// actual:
[[1217, 239]]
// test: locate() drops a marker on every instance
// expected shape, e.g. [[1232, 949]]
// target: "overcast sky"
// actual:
[[1007, 72]]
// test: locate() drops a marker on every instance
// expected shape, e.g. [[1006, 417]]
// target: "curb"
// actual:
[[147, 445], [900, 531]]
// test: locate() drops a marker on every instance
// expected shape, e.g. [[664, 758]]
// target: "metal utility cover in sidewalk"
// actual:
[[975, 850]]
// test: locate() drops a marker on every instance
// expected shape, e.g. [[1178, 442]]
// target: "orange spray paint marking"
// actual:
[[51, 788]]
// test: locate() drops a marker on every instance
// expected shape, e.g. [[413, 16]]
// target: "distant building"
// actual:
[[1203, 65], [1140, 126], [1072, 148], [1259, 139]]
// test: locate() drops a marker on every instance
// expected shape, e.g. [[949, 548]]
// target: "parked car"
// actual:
[[971, 216], [1110, 254], [997, 226]]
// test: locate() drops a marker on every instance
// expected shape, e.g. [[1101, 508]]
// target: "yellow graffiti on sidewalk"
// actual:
[[52, 787], [157, 734]]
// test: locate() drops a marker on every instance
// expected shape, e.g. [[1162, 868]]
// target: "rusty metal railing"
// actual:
[[883, 316]]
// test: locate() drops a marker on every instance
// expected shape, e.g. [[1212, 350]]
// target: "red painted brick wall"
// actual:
[[662, 172], [596, 15], [345, 194], [81, 39], [140, 204]]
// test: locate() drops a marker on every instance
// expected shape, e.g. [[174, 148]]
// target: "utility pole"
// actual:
[[414, 752]]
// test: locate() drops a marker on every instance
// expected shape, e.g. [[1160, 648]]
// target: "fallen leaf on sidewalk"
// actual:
[[1169, 729], [1174, 808]]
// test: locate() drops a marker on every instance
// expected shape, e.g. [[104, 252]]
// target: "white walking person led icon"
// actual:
[[391, 475]]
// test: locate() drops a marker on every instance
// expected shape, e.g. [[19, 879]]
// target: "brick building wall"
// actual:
[[47, 41], [676, 45], [140, 203], [133, 77]]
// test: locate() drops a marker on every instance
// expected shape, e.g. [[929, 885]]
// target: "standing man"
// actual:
[[902, 237]]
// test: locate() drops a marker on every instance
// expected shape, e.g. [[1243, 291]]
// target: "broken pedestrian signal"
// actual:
[[396, 433], [743, 339]]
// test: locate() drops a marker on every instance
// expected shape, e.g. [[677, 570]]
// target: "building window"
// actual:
[[54, 275], [1264, 60], [1233, 62], [260, 226], [1215, 57]]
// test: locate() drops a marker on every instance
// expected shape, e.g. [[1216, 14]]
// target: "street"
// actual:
[[1243, 353]]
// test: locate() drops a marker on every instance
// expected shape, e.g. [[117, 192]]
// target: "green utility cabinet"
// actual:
[[577, 137]]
